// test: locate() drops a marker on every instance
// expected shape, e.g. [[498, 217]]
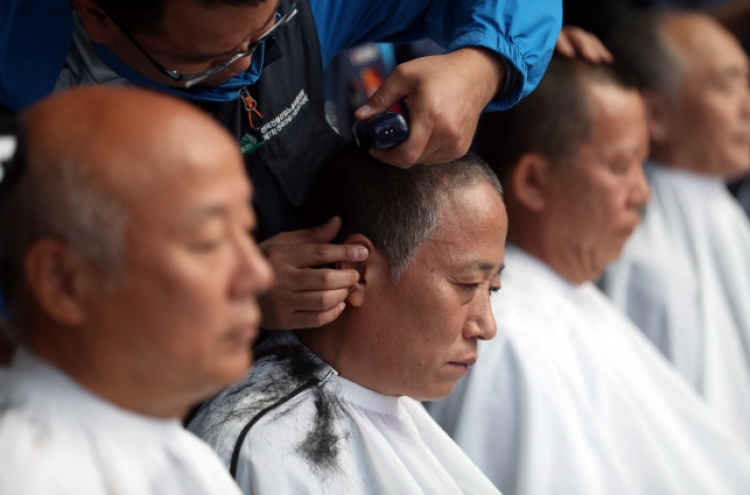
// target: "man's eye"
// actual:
[[205, 246], [619, 168], [494, 290], [469, 287]]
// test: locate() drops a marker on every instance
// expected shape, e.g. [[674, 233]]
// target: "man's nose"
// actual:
[[254, 274], [241, 64], [640, 190], [745, 104], [482, 326]]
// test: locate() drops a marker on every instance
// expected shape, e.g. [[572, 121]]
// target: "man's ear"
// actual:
[[370, 270], [58, 280], [530, 179], [97, 23], [657, 115]]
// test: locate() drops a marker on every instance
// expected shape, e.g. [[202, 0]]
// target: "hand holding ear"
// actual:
[[306, 294]]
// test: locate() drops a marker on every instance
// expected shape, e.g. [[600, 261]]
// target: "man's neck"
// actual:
[[110, 378], [339, 346], [537, 241], [326, 342]]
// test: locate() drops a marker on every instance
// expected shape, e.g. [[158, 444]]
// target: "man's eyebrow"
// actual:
[[200, 57], [198, 214], [487, 267]]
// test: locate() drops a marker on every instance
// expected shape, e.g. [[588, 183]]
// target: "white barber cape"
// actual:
[[58, 438], [570, 398], [684, 279], [336, 438]]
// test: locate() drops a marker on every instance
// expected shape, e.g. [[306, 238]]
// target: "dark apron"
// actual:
[[284, 148]]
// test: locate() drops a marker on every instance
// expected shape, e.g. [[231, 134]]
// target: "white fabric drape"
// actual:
[[684, 279], [570, 398], [58, 438], [385, 445]]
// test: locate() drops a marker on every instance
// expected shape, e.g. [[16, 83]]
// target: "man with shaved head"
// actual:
[[334, 410], [131, 283], [684, 278]]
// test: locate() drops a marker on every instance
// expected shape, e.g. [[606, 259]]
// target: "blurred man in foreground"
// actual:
[[131, 285], [570, 398]]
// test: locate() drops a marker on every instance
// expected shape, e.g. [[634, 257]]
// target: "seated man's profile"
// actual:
[[570, 397], [684, 277], [334, 409]]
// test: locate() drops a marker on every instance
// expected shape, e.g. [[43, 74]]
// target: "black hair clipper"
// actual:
[[382, 131]]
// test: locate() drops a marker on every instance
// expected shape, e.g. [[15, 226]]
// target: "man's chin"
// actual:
[[434, 395]]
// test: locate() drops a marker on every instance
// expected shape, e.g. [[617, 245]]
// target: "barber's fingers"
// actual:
[[310, 247], [302, 297], [433, 135], [315, 319], [288, 310], [574, 41], [321, 279], [445, 95], [319, 300], [400, 86], [292, 257], [413, 149], [392, 91], [563, 46]]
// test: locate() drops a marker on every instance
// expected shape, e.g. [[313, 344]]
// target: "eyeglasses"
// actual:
[[198, 77]]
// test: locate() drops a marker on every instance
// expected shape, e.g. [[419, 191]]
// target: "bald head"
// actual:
[[658, 46], [695, 41], [124, 139], [693, 74]]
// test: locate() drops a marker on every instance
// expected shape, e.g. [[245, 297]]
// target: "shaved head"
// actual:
[[149, 132], [694, 76]]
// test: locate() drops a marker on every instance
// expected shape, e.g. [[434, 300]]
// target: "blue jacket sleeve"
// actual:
[[34, 40], [523, 32]]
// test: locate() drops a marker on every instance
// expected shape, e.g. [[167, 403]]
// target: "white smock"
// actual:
[[570, 398], [58, 438], [336, 438], [684, 280]]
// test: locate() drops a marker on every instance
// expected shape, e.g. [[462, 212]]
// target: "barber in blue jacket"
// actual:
[[256, 65]]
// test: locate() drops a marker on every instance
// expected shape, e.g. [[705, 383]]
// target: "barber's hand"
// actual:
[[445, 95], [303, 296], [574, 41]]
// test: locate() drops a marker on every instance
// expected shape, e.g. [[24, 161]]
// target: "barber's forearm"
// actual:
[[488, 72], [523, 33]]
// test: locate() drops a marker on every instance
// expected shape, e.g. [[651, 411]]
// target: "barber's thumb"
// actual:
[[381, 100]]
